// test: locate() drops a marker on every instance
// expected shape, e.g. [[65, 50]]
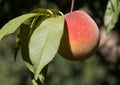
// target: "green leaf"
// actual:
[[44, 42], [13, 24], [47, 12], [42, 11], [36, 22], [17, 48], [24, 40], [111, 14], [23, 37]]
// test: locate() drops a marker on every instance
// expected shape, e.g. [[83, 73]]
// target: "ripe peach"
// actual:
[[80, 38]]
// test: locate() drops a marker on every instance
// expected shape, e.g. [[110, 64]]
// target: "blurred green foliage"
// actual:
[[93, 71]]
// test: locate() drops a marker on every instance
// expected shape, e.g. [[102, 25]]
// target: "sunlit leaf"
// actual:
[[111, 14], [13, 24], [44, 42]]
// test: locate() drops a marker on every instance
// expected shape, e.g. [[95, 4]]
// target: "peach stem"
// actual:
[[72, 5]]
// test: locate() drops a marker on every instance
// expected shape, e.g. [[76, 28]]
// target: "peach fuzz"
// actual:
[[80, 38]]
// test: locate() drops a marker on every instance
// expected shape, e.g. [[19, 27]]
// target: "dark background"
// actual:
[[101, 69]]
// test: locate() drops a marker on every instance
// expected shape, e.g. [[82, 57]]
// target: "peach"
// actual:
[[80, 38]]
